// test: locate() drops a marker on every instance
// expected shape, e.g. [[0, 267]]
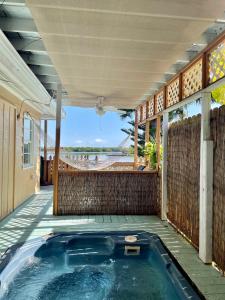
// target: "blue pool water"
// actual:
[[92, 266]]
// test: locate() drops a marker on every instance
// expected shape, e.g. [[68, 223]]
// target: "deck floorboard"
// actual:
[[34, 218]]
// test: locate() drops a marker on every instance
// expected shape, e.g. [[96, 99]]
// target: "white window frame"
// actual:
[[30, 154]]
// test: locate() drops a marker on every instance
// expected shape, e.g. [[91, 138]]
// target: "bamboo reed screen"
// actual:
[[112, 193], [218, 134], [183, 176], [183, 180]]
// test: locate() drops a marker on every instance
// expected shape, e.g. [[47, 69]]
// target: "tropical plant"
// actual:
[[150, 151], [218, 95]]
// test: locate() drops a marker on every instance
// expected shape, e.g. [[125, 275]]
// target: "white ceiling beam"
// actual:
[[17, 25], [208, 36], [33, 45], [43, 70], [51, 86], [15, 2], [19, 80], [37, 59], [48, 79]]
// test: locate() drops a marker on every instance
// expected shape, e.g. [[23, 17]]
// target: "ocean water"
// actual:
[[101, 156]]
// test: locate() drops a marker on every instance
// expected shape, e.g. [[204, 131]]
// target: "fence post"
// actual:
[[45, 150], [206, 182], [147, 136], [136, 140], [158, 142], [164, 167], [147, 130], [57, 148]]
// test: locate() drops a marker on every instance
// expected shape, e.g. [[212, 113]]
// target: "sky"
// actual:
[[83, 127]]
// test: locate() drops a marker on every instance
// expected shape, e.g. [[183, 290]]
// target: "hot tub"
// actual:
[[97, 266]]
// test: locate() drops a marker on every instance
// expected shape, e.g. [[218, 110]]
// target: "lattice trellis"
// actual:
[[172, 92], [151, 106], [144, 112], [192, 79], [217, 63], [159, 102]]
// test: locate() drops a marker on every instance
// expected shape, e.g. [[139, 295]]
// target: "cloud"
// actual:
[[98, 140], [79, 142]]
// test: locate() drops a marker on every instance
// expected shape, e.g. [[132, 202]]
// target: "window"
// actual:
[[28, 128]]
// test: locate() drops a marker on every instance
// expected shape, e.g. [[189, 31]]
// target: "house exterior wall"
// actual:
[[26, 179], [16, 182], [7, 138]]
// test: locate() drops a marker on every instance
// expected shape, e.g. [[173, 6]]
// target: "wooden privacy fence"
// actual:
[[113, 193], [183, 180]]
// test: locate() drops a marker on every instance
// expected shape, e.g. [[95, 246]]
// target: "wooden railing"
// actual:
[[206, 68], [50, 170], [113, 193], [64, 166]]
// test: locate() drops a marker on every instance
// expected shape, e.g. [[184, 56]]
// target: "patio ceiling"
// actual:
[[121, 50]]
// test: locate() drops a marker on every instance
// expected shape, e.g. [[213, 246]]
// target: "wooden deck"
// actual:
[[34, 218]]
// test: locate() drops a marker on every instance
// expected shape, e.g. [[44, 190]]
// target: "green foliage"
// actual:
[[150, 151], [131, 150], [219, 94], [93, 149], [129, 113]]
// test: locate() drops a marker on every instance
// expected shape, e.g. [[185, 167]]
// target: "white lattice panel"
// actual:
[[144, 112], [151, 107], [217, 63], [173, 92], [192, 79], [160, 102]]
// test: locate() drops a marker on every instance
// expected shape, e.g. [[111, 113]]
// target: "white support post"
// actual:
[[57, 148], [164, 167], [136, 141], [206, 182]]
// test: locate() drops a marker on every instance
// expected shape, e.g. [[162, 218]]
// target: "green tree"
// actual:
[[129, 114]]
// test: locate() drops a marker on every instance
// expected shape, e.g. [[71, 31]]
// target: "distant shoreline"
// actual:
[[91, 149]]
